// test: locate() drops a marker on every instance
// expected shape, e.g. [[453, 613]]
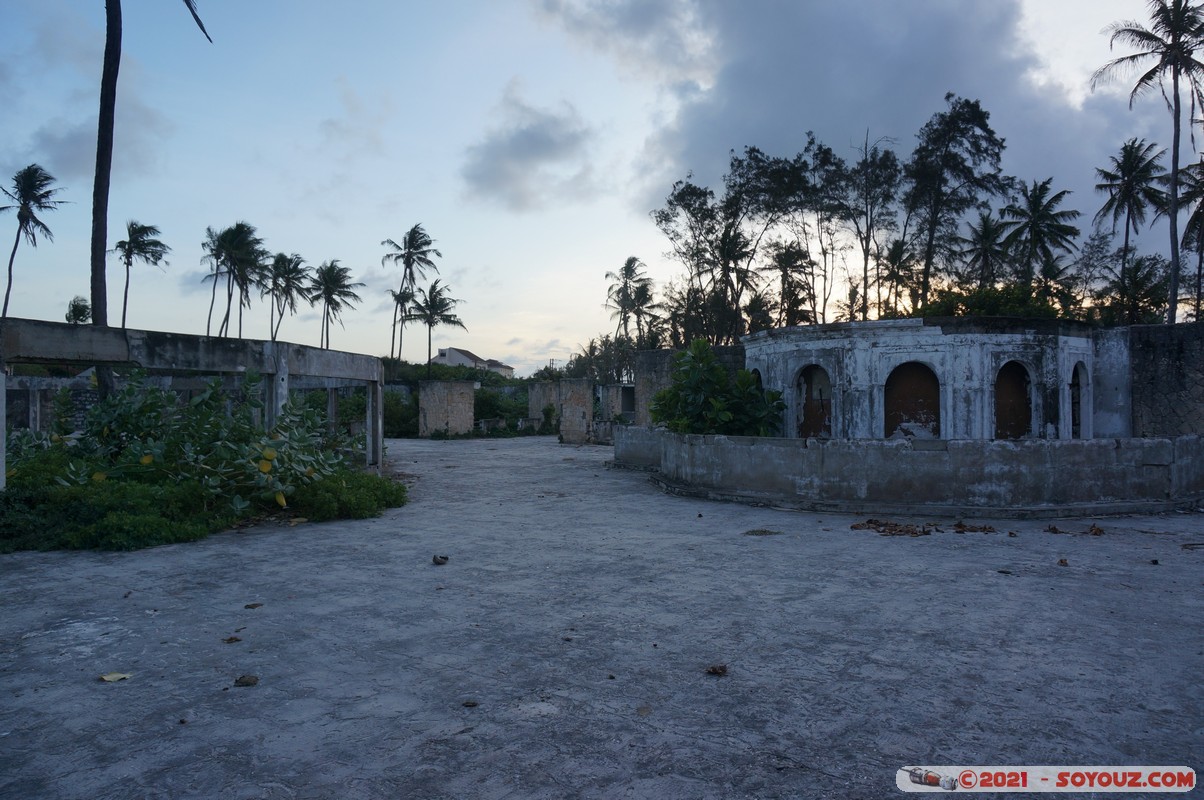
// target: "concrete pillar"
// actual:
[[374, 428], [332, 410], [276, 385]]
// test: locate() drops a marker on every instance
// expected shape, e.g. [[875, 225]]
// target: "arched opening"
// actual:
[[912, 402], [1013, 402], [814, 392], [1078, 384]]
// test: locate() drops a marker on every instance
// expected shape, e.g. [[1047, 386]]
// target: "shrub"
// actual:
[[348, 495], [703, 399]]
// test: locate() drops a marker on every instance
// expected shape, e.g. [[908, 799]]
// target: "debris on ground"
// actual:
[[113, 677], [1063, 562], [762, 532], [887, 528], [961, 527], [253, 605], [246, 680], [717, 669], [439, 560], [231, 640]]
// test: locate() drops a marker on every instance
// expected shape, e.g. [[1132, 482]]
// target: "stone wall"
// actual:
[[1010, 478], [445, 406], [1168, 379], [576, 407]]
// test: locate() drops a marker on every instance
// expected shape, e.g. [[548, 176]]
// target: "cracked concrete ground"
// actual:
[[562, 651]]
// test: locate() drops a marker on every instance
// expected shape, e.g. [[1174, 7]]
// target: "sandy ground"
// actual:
[[562, 652]]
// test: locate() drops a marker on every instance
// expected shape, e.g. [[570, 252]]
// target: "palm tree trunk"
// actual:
[[212, 303], [393, 331], [1172, 310], [272, 316], [11, 257], [430, 329], [125, 297], [401, 332], [104, 160]]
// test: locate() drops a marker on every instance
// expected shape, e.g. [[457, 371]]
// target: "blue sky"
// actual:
[[531, 139]]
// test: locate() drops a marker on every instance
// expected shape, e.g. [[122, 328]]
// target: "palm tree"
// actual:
[[1036, 228], [139, 244], [1193, 231], [31, 194], [104, 152], [433, 307], [1132, 187], [414, 255], [236, 253], [621, 296], [984, 249], [401, 301], [333, 287], [286, 281], [1166, 49]]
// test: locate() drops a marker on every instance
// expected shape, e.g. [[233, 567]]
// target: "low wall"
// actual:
[[1006, 478]]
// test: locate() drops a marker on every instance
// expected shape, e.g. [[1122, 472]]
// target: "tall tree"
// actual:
[[867, 204], [1037, 228], [79, 310], [1166, 50], [433, 307], [140, 244], [32, 194], [332, 286], [286, 281], [237, 254], [1132, 185], [401, 302], [621, 297], [984, 249], [104, 152], [1193, 232], [414, 255], [954, 167]]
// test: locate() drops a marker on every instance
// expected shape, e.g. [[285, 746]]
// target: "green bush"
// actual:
[[704, 399], [401, 415], [148, 469], [348, 495]]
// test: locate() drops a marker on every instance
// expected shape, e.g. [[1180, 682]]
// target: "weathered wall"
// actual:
[[1168, 379], [576, 407], [966, 355], [1031, 477], [445, 406], [541, 394]]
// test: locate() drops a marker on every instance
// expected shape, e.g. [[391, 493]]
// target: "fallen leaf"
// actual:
[[113, 677], [246, 680], [1012, 533], [231, 639], [1004, 571], [1095, 530], [717, 669], [470, 704], [1063, 562], [253, 605]]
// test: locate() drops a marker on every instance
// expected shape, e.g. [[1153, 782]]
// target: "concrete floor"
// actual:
[[563, 650]]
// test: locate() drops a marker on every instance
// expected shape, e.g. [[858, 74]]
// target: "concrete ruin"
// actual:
[[1015, 416], [445, 408], [573, 401], [26, 341]]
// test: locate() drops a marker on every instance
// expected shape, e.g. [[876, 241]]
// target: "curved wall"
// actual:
[[1005, 478]]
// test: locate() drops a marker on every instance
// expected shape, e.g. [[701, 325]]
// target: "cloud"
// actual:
[[359, 130], [777, 70], [534, 157]]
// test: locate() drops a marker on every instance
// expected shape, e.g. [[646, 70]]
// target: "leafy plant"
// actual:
[[704, 399]]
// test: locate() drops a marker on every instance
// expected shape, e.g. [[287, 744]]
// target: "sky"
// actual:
[[530, 138]]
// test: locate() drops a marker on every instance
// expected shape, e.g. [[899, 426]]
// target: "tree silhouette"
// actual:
[[286, 280], [237, 254], [139, 244], [1165, 50], [414, 255], [332, 286], [433, 307], [1132, 186], [104, 151], [984, 249], [32, 193], [1037, 229]]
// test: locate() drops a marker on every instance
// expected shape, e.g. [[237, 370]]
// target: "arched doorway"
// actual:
[[1078, 385], [1013, 402], [912, 402], [814, 392]]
